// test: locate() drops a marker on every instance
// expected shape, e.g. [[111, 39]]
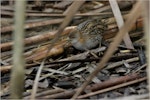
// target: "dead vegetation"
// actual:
[[54, 69]]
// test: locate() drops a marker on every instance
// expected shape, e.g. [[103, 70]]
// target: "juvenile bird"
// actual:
[[87, 35]]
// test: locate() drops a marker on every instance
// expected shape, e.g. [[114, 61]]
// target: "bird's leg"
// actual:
[[100, 44], [92, 53], [105, 43]]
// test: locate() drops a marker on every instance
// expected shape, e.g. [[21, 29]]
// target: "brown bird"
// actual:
[[87, 35]]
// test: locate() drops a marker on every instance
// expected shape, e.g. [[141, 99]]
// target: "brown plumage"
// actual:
[[87, 35]]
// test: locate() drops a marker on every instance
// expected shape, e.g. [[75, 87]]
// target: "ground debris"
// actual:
[[66, 67]]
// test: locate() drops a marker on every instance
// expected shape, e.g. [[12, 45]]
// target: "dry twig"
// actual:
[[73, 8], [95, 87], [120, 22], [112, 88], [135, 13], [147, 34], [17, 76]]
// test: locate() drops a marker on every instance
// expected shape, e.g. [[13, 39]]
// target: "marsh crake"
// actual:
[[88, 34]]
